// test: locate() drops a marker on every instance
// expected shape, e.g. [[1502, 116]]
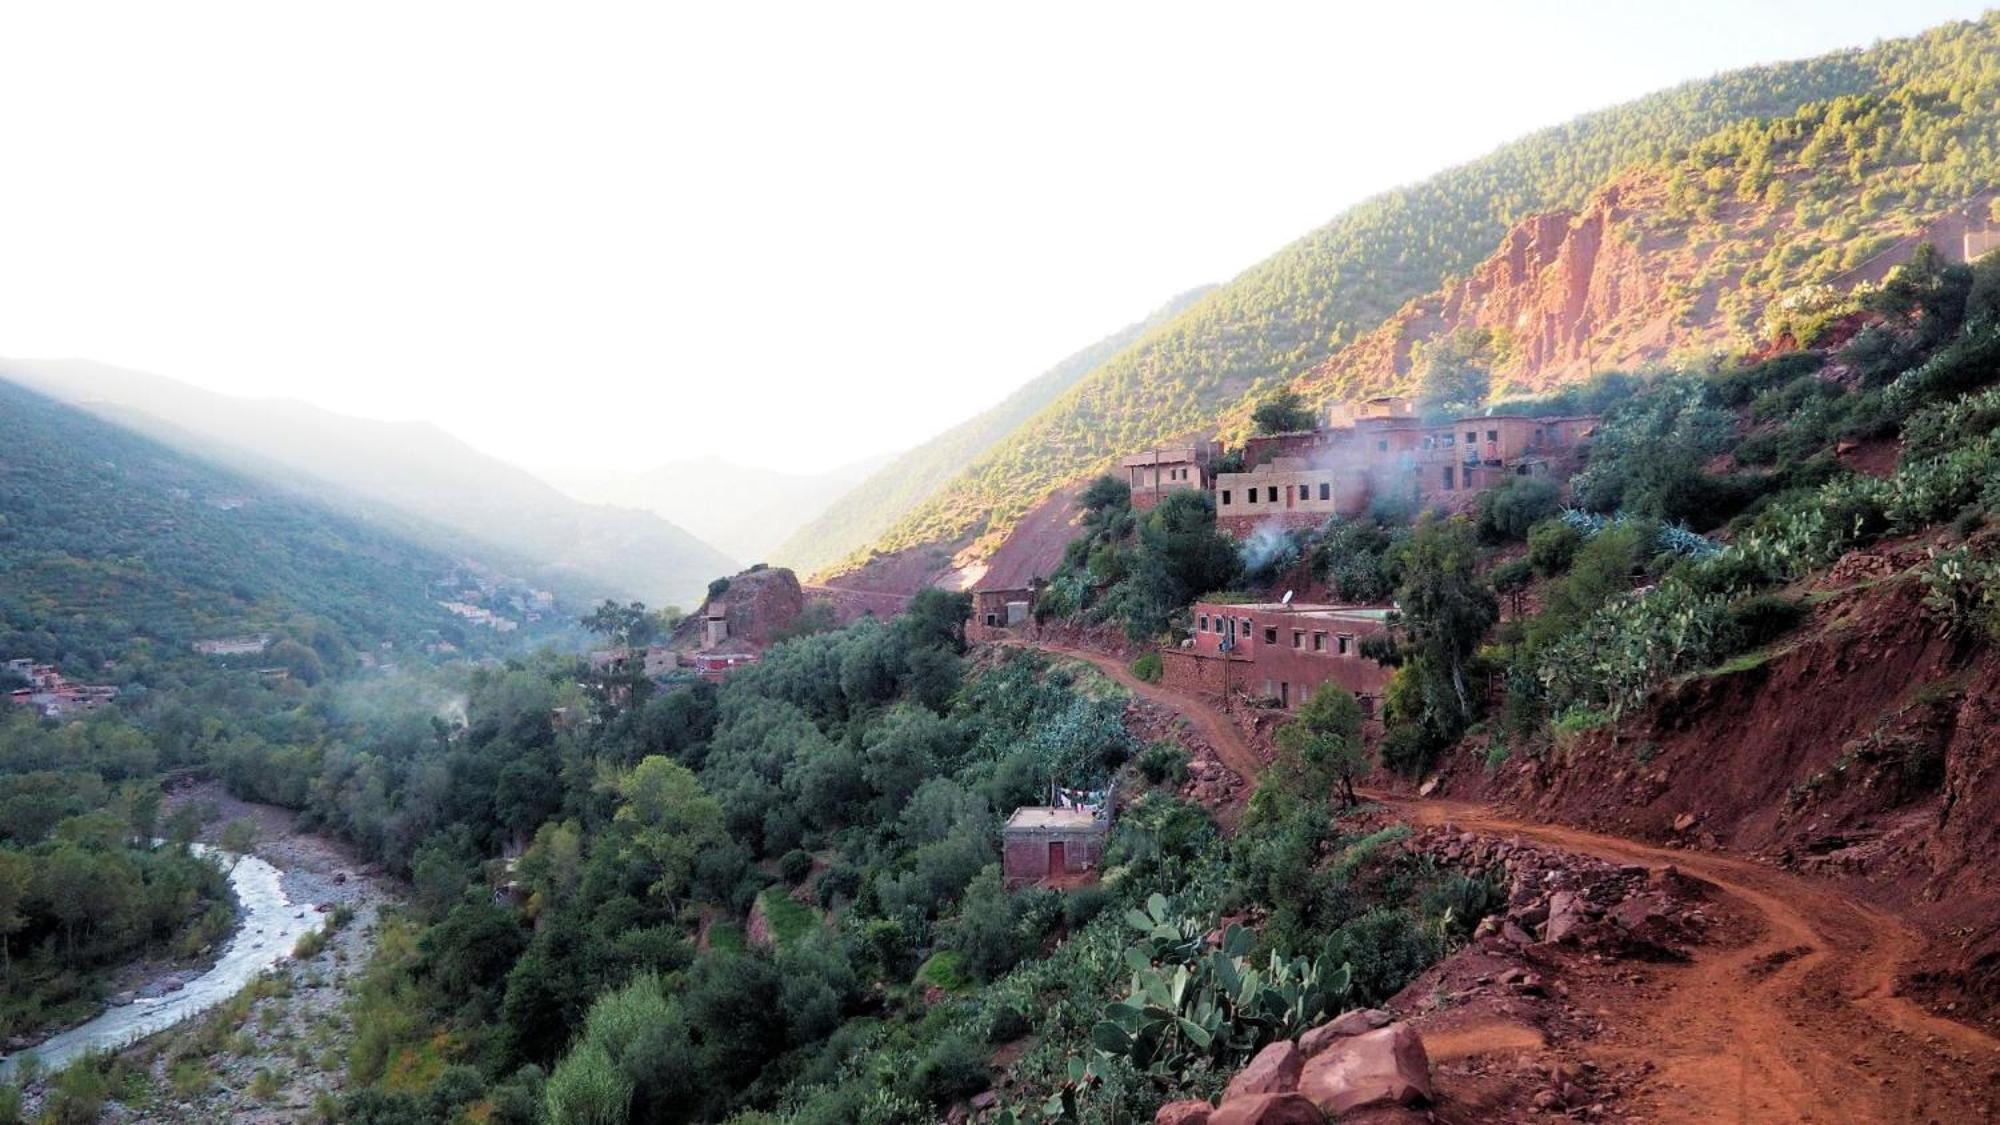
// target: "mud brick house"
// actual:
[[1000, 613], [1381, 448], [744, 616], [1279, 651], [1288, 493], [1158, 472], [1041, 843]]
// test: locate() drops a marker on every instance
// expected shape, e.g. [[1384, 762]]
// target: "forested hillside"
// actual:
[[429, 485], [914, 477], [1291, 312], [115, 548]]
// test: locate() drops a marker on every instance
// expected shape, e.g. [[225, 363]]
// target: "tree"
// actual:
[[1181, 556], [1445, 610], [1106, 493], [672, 818], [1321, 747], [626, 626], [17, 874], [1283, 413], [1456, 374], [239, 836]]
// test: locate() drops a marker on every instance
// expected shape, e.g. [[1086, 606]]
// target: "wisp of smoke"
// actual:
[[1268, 549]]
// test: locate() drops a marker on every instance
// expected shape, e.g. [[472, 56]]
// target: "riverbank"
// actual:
[[276, 1044]]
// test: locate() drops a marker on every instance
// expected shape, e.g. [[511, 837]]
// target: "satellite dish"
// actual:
[[1287, 599]]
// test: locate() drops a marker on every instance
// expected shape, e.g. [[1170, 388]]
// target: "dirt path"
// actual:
[[1801, 1023], [1215, 726]]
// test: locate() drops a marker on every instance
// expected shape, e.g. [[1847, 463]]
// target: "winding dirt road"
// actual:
[[1802, 1023]]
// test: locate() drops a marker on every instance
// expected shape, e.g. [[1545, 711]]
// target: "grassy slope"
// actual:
[[1290, 312]]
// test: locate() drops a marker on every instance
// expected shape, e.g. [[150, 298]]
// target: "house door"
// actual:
[[1058, 863], [1285, 694]]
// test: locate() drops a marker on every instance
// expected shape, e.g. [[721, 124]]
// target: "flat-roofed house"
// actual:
[[1045, 843], [1157, 473], [1279, 651]]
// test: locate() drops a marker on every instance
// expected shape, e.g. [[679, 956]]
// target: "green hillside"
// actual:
[[1296, 308], [913, 477], [114, 547]]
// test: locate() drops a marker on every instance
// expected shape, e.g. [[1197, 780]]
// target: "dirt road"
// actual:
[[1801, 1023]]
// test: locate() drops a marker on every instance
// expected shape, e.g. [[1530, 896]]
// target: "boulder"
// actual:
[[1640, 910], [1342, 1026], [1184, 1113], [1275, 1070], [1384, 1066], [1268, 1109], [1565, 915]]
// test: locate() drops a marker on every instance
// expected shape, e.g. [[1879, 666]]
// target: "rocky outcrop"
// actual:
[[1318, 1039], [1184, 1113], [1274, 1070], [1268, 1109], [1387, 1066]]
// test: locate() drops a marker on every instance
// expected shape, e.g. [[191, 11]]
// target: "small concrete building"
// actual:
[[998, 614], [1156, 473], [1042, 843]]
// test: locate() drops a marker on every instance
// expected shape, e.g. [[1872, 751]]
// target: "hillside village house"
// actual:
[[1042, 843], [54, 696], [1157, 473], [1279, 651], [1000, 613], [1381, 448]]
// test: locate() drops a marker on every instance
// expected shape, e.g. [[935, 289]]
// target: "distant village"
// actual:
[[1379, 448], [52, 695]]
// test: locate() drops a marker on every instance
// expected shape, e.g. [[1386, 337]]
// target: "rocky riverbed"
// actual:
[[275, 1048]]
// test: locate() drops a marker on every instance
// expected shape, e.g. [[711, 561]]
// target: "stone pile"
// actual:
[[1361, 1059], [1560, 897]]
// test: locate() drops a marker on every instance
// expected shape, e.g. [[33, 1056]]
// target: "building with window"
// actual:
[[1156, 473], [998, 614], [1380, 448], [1041, 843], [1279, 651]]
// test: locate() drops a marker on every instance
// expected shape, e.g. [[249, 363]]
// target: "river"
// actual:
[[269, 926]]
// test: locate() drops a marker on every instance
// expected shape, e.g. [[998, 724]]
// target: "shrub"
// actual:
[[1552, 544], [1164, 762], [1511, 510], [1006, 1024], [795, 865], [1083, 904], [1148, 667], [1383, 950], [1758, 620], [953, 1068]]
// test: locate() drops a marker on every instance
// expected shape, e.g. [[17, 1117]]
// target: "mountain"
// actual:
[[413, 469], [771, 505], [113, 546], [1293, 312], [910, 479]]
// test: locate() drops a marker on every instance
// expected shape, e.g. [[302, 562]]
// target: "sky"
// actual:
[[597, 237]]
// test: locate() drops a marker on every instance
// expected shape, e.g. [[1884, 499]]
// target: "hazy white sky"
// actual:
[[605, 236]]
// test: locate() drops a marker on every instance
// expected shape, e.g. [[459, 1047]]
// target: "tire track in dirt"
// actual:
[[1801, 1024]]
